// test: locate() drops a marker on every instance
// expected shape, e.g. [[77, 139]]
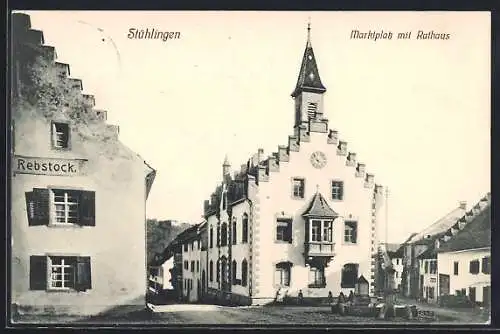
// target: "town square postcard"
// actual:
[[250, 168]]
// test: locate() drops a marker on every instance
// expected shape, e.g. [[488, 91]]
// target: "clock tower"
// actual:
[[309, 90]]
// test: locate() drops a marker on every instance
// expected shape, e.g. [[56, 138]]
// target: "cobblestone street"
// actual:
[[185, 314]]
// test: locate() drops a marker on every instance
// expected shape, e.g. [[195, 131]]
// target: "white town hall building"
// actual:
[[302, 220]]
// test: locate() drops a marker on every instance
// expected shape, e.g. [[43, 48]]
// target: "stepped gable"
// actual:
[[28, 44], [476, 234], [262, 167], [477, 227]]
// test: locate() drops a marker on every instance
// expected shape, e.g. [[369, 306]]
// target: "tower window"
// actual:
[[312, 108]]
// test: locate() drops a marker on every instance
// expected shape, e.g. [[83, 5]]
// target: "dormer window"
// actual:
[[60, 135]]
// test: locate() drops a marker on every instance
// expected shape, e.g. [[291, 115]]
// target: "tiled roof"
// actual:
[[475, 234], [309, 79], [320, 208], [440, 226]]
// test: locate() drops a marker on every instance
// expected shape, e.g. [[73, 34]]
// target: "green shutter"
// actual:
[[41, 206], [83, 279], [87, 208], [38, 272]]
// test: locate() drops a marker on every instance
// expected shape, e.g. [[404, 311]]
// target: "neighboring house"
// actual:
[[464, 259], [75, 250], [395, 253], [301, 220], [160, 276], [417, 244], [428, 270], [191, 264]]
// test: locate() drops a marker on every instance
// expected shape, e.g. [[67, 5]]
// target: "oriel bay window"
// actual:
[[320, 230], [60, 273], [49, 206]]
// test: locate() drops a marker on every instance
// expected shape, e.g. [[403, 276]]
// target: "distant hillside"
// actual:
[[160, 234]]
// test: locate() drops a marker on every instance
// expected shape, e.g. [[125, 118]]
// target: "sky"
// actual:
[[417, 112]]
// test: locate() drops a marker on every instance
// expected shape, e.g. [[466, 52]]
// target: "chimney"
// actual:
[[463, 205]]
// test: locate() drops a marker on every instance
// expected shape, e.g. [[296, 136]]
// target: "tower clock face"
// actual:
[[318, 159]]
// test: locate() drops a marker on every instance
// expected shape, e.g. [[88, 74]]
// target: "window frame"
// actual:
[[54, 133], [321, 234], [337, 184], [285, 228], [285, 273], [76, 194], [224, 234], [301, 195], [455, 268], [244, 228], [317, 284], [351, 229], [350, 285], [234, 231], [50, 265]]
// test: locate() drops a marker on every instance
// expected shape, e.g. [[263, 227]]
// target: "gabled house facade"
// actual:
[[413, 249], [464, 256], [302, 220], [71, 178]]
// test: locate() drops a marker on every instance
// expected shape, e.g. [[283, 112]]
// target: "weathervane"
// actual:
[[309, 30]]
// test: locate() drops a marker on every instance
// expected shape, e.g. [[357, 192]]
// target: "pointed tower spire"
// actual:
[[309, 80], [226, 167]]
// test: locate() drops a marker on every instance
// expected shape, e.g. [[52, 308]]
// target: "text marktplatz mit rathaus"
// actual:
[[383, 34]]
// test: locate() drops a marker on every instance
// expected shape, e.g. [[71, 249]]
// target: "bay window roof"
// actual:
[[319, 208]]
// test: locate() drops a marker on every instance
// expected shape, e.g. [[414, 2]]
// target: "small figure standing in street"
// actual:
[[300, 297]]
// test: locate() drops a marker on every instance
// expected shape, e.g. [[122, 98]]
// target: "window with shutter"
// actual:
[[455, 268], [38, 272]]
